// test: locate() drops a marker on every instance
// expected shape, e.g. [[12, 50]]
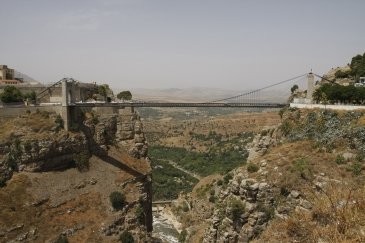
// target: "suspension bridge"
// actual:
[[250, 99], [72, 101]]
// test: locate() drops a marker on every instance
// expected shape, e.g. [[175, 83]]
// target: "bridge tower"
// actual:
[[66, 115], [310, 88]]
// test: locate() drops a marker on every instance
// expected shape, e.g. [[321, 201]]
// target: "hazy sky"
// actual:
[[228, 44]]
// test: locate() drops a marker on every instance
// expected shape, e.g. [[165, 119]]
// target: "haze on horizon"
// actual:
[[164, 44]]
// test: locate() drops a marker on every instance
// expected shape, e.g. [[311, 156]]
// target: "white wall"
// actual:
[[331, 107]]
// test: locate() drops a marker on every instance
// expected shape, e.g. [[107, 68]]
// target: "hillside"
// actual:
[[352, 71]]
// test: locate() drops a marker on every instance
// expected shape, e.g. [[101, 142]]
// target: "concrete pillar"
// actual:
[[65, 106], [64, 93], [310, 88]]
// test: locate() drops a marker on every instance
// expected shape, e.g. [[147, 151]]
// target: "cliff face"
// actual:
[[58, 183]]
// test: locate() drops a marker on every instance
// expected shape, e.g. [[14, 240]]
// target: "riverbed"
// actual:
[[165, 226]]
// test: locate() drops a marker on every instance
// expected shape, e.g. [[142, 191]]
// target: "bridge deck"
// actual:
[[161, 104]]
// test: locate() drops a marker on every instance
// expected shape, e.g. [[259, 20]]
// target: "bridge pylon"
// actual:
[[65, 113], [310, 87]]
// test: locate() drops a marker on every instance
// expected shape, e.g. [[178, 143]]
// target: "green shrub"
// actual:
[[251, 168], [227, 178], [59, 122], [284, 191], [117, 200], [281, 112], [360, 157], [340, 159], [286, 128], [126, 237], [220, 182], [140, 215], [268, 211], [237, 208], [342, 74], [356, 168], [82, 161], [62, 239], [212, 199], [301, 166], [183, 235], [14, 154]]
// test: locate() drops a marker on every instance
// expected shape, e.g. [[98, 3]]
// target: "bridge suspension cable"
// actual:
[[331, 81], [252, 93], [44, 92]]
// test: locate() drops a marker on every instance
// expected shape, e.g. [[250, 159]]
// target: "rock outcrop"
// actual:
[[263, 141], [231, 225], [124, 129]]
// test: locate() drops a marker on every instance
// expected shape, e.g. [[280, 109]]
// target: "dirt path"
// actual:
[[183, 170]]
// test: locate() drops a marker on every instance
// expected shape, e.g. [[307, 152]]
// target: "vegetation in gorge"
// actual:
[[203, 164], [198, 145], [168, 181]]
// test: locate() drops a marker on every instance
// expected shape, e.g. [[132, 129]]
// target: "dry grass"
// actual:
[[35, 125], [12, 200], [283, 173], [338, 215], [361, 121]]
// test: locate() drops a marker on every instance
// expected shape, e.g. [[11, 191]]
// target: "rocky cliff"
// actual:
[[303, 183], [60, 181]]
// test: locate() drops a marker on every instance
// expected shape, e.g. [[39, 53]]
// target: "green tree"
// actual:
[[342, 74], [337, 93], [358, 66], [11, 94], [102, 90], [294, 88], [317, 95], [125, 95], [31, 96]]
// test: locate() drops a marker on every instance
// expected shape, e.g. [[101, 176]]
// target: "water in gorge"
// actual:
[[163, 229]]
